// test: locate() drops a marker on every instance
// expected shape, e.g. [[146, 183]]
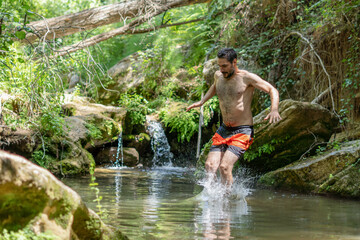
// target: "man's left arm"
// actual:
[[265, 86]]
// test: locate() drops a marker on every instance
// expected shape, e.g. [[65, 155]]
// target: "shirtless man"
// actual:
[[235, 89]]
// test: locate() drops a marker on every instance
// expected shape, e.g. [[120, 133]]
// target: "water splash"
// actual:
[[215, 191], [119, 153], [160, 145]]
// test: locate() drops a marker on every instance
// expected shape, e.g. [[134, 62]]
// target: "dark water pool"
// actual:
[[160, 204]]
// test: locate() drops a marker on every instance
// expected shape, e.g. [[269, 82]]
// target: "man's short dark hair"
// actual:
[[227, 53]]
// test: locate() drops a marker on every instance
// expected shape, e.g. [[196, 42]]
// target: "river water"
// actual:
[[167, 203]]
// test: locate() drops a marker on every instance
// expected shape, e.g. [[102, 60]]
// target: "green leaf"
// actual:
[[20, 35]]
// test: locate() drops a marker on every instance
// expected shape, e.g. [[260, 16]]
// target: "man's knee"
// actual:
[[210, 165], [225, 169]]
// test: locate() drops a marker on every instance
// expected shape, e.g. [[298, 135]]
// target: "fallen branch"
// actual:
[[119, 31], [100, 16], [145, 30]]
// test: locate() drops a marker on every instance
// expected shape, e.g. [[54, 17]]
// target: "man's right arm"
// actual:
[[209, 94]]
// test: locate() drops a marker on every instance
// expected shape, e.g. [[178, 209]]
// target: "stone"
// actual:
[[20, 141], [76, 128], [125, 75], [141, 142], [31, 197], [278, 144], [80, 106], [73, 79], [210, 67], [335, 172], [108, 156], [92, 124], [75, 160], [349, 133]]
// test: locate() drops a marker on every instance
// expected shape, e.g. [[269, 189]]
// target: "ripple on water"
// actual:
[[166, 203]]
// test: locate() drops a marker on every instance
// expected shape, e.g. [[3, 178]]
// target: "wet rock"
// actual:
[[31, 197], [108, 156], [276, 145], [141, 142], [334, 172]]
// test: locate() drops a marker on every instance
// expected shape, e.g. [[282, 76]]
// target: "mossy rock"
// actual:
[[32, 198], [279, 144], [334, 172]]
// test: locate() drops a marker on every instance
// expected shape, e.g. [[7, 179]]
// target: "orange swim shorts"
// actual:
[[235, 139]]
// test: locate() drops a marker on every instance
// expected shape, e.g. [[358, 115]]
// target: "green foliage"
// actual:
[[25, 234], [93, 186], [158, 63], [210, 108], [184, 124], [41, 158], [51, 121], [12, 22], [267, 149], [136, 106], [94, 131], [49, 8]]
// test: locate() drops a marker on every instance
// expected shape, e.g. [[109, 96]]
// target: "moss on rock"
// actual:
[[335, 172], [19, 205]]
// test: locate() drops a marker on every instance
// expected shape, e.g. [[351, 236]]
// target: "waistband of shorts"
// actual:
[[237, 127]]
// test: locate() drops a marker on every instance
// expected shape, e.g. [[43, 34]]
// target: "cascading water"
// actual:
[[119, 153], [160, 145]]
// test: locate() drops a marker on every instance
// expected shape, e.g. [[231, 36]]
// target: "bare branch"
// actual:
[[320, 61]]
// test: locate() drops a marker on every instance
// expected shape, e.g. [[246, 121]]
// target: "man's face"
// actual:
[[226, 68]]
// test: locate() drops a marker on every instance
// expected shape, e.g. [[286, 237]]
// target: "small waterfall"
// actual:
[[160, 145], [119, 159]]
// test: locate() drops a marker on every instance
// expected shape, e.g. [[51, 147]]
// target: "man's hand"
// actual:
[[194, 105], [273, 117]]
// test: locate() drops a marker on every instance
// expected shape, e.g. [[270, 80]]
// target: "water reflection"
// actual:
[[118, 185], [221, 206], [167, 203]]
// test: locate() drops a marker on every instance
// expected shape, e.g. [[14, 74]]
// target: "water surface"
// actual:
[[167, 203]]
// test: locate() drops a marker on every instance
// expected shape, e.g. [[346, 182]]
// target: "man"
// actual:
[[235, 89]]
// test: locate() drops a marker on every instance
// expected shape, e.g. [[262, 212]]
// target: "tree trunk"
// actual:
[[115, 32], [89, 19]]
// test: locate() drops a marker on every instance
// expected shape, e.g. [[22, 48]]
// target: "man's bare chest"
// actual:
[[230, 89]]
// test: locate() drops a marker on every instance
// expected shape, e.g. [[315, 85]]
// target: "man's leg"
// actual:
[[212, 162], [226, 167]]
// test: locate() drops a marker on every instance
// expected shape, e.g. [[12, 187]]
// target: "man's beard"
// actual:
[[229, 74]]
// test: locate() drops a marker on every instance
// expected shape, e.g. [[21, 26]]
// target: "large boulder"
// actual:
[[92, 124], [73, 160], [32, 198], [125, 75], [276, 145], [336, 172]]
